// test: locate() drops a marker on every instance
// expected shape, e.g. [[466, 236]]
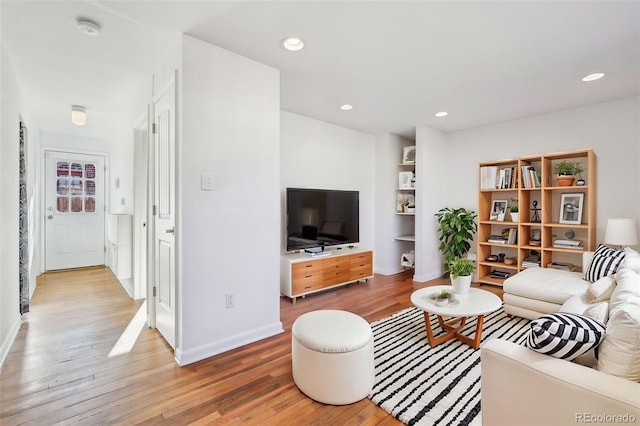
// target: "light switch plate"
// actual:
[[206, 182]]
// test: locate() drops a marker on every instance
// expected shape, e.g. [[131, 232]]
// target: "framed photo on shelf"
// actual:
[[409, 155], [404, 180], [571, 208], [498, 210]]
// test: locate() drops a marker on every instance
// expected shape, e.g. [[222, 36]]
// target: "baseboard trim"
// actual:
[[214, 348], [424, 278], [127, 285], [388, 271], [8, 341]]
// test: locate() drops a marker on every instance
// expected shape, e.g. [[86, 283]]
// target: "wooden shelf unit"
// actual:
[[302, 274], [548, 197]]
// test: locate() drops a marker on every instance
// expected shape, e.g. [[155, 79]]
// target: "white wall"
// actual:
[[432, 193], [387, 224], [10, 109], [611, 129], [316, 154], [230, 237]]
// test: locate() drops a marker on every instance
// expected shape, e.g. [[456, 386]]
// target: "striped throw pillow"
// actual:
[[605, 262], [565, 335]]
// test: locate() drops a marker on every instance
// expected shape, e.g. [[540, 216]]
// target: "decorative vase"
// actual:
[[514, 216], [565, 180], [461, 284]]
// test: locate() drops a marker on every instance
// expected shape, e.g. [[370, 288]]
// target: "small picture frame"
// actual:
[[409, 155], [498, 210], [571, 208], [405, 180]]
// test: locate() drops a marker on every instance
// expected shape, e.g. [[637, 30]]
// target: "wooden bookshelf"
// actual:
[[540, 186]]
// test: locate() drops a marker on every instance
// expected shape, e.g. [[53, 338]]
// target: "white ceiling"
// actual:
[[397, 62]]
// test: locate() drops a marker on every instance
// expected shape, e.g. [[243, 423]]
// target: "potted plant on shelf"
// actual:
[[567, 171], [513, 211], [461, 272], [455, 233]]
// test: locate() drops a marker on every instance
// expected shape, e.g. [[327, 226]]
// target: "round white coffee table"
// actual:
[[475, 303]]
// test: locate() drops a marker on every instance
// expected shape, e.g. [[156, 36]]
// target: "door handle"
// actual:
[[169, 231], [50, 217]]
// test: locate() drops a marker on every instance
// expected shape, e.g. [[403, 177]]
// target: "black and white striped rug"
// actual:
[[421, 385]]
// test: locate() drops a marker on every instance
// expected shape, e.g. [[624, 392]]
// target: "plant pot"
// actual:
[[514, 216], [441, 302], [461, 284], [565, 180]]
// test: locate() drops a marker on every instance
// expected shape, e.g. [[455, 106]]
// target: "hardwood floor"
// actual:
[[59, 370]]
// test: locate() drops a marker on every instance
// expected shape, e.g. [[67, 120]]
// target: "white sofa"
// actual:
[[524, 387]]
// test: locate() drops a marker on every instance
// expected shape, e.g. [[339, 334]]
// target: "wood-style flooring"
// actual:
[[59, 370]]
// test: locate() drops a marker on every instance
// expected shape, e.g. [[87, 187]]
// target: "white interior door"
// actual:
[[74, 210], [164, 218], [140, 181]]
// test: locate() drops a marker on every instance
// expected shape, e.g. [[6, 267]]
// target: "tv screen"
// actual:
[[321, 217]]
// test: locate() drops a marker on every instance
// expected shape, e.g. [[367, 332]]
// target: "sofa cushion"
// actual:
[[631, 260], [605, 262], [565, 335], [599, 311], [548, 285], [619, 353], [627, 290], [601, 289]]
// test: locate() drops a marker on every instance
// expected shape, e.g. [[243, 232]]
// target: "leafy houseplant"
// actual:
[[568, 168], [460, 267], [566, 171], [455, 233], [513, 210], [443, 298]]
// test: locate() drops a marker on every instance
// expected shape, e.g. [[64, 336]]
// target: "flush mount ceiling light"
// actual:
[[594, 76], [88, 27], [441, 114], [78, 115], [346, 107], [292, 44]]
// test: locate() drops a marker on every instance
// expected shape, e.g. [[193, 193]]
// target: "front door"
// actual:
[[165, 186], [74, 210]]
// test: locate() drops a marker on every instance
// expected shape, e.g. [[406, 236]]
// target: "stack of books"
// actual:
[[497, 239], [531, 262], [530, 177], [499, 274], [570, 244], [562, 266]]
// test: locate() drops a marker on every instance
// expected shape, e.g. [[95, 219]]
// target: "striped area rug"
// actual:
[[421, 385]]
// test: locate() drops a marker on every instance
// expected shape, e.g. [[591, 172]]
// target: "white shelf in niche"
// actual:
[[406, 238], [405, 214]]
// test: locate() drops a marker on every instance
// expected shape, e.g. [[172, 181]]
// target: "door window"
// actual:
[[75, 187]]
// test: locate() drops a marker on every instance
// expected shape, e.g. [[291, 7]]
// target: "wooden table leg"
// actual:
[[453, 331]]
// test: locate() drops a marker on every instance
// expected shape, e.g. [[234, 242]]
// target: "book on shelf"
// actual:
[[496, 239], [566, 246], [530, 177], [562, 266], [488, 177], [513, 236], [499, 274], [567, 242]]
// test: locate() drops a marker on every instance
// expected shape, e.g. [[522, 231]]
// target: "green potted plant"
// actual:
[[455, 233], [461, 271], [513, 211], [567, 171], [442, 298]]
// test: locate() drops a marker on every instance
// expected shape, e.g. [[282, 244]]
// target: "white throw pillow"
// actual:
[[627, 290], [631, 260], [601, 289], [599, 311], [619, 351]]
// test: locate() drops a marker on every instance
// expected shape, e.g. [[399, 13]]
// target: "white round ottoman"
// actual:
[[332, 356]]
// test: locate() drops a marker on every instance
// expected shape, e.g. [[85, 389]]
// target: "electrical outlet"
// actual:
[[206, 182], [230, 300]]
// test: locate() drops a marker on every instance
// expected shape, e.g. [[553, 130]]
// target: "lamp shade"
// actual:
[[621, 232], [78, 115]]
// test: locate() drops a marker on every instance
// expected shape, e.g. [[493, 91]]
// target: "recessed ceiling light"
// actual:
[[594, 76], [78, 115], [88, 27], [292, 43], [441, 114], [346, 107]]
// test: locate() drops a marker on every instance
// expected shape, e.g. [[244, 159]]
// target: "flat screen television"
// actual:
[[321, 217]]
